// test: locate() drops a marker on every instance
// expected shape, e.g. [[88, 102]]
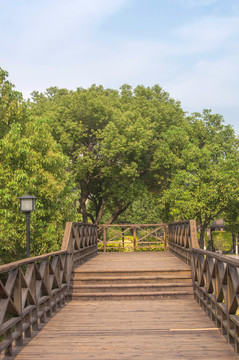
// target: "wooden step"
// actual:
[[131, 284], [132, 279], [163, 295], [113, 288], [128, 273]]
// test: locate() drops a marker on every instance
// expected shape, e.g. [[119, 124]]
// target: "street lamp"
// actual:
[[27, 205]]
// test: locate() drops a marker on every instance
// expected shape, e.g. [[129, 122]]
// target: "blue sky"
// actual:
[[189, 47]]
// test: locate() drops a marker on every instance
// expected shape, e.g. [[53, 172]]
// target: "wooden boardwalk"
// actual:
[[129, 329], [134, 261]]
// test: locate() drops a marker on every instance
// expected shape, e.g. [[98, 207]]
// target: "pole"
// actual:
[[135, 238], [237, 244], [104, 238], [165, 238], [122, 236], [28, 232]]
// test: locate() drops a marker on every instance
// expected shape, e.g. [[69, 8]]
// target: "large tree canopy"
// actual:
[[120, 144], [130, 154]]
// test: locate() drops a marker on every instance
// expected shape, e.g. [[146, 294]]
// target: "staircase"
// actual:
[[131, 284]]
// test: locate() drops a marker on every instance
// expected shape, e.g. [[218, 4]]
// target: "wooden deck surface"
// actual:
[[129, 329], [134, 261]]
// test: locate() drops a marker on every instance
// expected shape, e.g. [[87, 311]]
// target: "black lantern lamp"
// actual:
[[27, 205]]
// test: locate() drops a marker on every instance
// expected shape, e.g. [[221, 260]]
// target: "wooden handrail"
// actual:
[[223, 258], [182, 238], [215, 279], [132, 225], [32, 289], [13, 265], [216, 289]]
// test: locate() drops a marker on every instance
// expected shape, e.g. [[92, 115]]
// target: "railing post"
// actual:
[[237, 244], [104, 237], [122, 236], [165, 237], [135, 239]]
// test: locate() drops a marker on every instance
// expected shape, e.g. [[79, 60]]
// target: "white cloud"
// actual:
[[212, 79], [60, 45], [208, 33], [209, 84], [194, 3], [59, 23], [90, 61]]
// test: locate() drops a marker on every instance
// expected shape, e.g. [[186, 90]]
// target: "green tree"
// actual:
[[30, 161], [231, 218], [120, 143], [208, 181], [144, 210], [12, 107]]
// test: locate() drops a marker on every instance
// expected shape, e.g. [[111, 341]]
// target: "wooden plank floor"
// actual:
[[147, 329], [129, 329], [134, 261]]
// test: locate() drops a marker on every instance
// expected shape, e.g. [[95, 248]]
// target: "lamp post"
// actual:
[[27, 205]]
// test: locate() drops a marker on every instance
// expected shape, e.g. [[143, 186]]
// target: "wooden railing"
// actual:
[[182, 238], [132, 237], [215, 279], [33, 289], [80, 242], [216, 289]]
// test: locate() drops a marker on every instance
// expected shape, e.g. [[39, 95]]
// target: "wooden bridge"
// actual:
[[80, 304]]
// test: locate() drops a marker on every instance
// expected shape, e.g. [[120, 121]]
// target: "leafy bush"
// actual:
[[222, 241]]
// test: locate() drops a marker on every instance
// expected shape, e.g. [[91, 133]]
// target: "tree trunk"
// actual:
[[100, 212], [234, 243], [84, 211], [83, 199], [202, 236], [117, 212]]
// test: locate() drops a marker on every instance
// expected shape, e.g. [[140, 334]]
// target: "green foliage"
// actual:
[[129, 155], [12, 107], [207, 181], [121, 144], [231, 218], [31, 162], [222, 241], [144, 210]]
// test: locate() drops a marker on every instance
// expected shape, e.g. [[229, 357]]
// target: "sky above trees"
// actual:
[[189, 47]]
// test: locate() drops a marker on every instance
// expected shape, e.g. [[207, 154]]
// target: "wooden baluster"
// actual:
[[8, 336], [237, 244], [104, 237], [135, 239], [165, 237]]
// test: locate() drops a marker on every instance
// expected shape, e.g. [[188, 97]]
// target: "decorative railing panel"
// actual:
[[182, 238], [31, 290], [216, 289], [81, 241], [132, 237]]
